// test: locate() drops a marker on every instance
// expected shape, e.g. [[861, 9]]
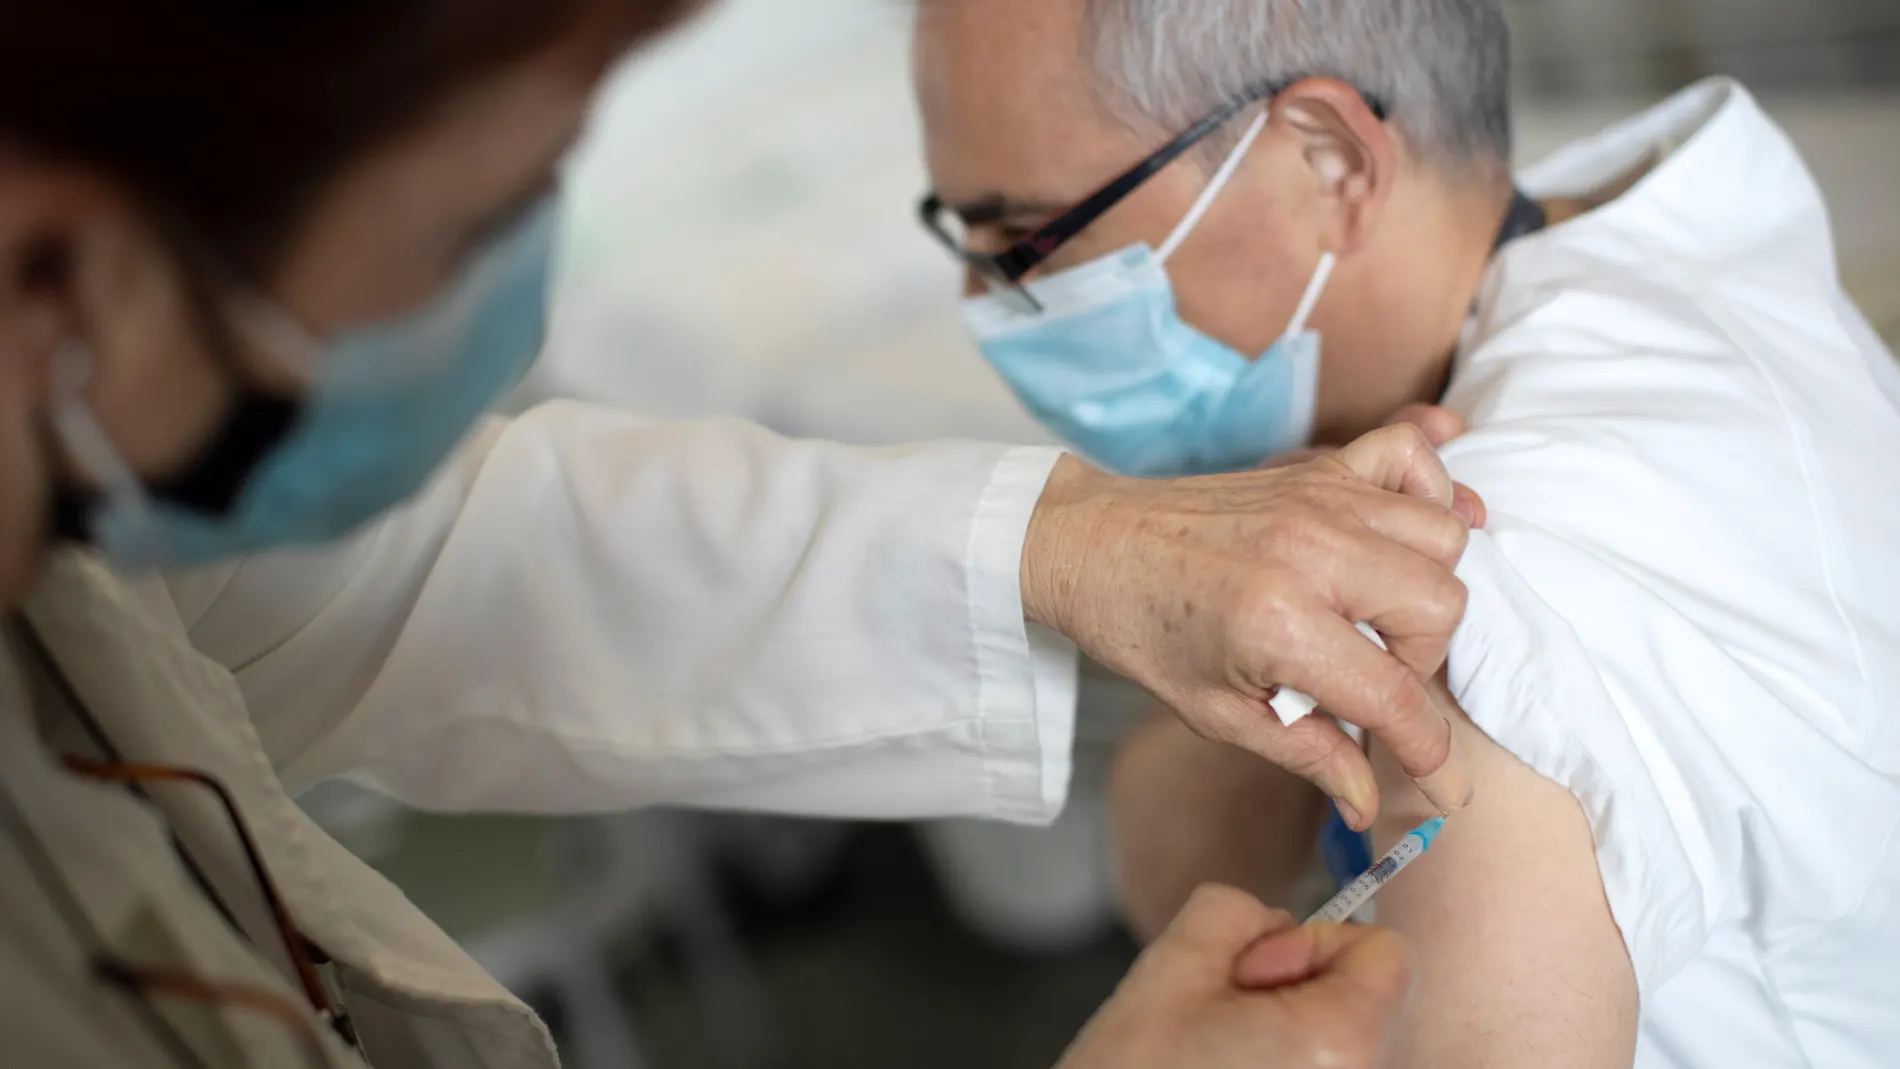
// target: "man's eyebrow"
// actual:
[[997, 208]]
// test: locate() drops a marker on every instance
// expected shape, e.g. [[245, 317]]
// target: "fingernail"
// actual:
[[1450, 788], [1349, 814], [1275, 960], [1466, 503]]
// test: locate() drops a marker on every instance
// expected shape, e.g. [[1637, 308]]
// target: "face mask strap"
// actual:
[[279, 333], [81, 434], [1321, 275], [1213, 190]]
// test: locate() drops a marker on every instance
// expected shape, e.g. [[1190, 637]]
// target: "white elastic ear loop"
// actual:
[[1314, 289], [280, 334], [1214, 187], [81, 434]]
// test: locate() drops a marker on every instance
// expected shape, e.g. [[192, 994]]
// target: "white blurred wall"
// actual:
[[743, 240]]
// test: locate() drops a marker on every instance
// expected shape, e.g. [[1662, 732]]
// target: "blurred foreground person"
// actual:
[[263, 269]]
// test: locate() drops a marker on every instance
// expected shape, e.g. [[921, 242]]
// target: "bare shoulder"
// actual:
[[1520, 961]]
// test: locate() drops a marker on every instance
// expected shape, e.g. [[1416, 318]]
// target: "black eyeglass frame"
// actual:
[[1008, 268]]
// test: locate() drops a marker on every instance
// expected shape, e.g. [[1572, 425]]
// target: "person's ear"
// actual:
[[1352, 154], [38, 220], [80, 265], [35, 316]]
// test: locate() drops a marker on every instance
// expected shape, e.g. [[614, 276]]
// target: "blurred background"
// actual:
[[742, 242]]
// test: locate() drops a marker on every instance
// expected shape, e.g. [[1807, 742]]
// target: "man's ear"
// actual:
[[1352, 154]]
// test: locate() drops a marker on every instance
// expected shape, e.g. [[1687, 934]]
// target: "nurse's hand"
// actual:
[[1213, 592], [1440, 425], [1233, 983]]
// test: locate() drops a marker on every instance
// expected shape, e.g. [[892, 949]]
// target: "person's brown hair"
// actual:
[[232, 114]]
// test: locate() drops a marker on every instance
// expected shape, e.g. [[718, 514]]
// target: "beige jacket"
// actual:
[[412, 996], [585, 611]]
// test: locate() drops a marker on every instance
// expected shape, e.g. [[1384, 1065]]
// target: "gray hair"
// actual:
[[1440, 67]]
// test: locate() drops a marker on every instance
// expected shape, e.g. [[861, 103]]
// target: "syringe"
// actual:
[[1360, 891]]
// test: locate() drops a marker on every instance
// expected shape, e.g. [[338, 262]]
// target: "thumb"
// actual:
[[1440, 425], [1217, 923], [1400, 459], [1373, 960]]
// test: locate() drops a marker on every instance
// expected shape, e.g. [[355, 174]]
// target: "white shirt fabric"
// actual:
[[591, 611], [1686, 607]]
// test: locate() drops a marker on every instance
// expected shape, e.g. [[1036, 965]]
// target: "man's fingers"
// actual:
[[1316, 750], [1431, 530], [1440, 425], [1402, 460], [1216, 923], [1363, 685], [1469, 506], [1414, 602], [1372, 961]]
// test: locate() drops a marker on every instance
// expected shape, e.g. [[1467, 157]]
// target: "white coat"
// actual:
[[1686, 605], [585, 612]]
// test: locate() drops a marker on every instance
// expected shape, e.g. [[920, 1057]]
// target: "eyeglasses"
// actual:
[[294, 944], [147, 983], [1004, 272], [184, 986]]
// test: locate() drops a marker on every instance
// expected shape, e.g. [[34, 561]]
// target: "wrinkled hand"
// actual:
[[1233, 983], [1213, 592], [1440, 425]]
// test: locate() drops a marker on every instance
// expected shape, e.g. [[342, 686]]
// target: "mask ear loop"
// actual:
[[1213, 190], [281, 336], [1321, 276], [82, 436]]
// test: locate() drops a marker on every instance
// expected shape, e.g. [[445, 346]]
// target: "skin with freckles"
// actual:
[[1212, 592], [1188, 810]]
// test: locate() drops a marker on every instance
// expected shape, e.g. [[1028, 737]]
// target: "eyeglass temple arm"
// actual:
[[1020, 260], [212, 992], [131, 773]]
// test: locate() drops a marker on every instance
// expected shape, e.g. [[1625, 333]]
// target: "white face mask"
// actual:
[[1111, 368]]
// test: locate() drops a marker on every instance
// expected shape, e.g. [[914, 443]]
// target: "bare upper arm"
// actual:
[[1520, 962]]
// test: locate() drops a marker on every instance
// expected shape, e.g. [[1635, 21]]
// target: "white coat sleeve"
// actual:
[[589, 611]]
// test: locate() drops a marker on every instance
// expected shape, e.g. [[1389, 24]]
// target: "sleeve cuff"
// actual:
[[1025, 674]]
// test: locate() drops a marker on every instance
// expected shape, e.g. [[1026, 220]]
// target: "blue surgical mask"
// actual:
[[1109, 366], [385, 406]]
